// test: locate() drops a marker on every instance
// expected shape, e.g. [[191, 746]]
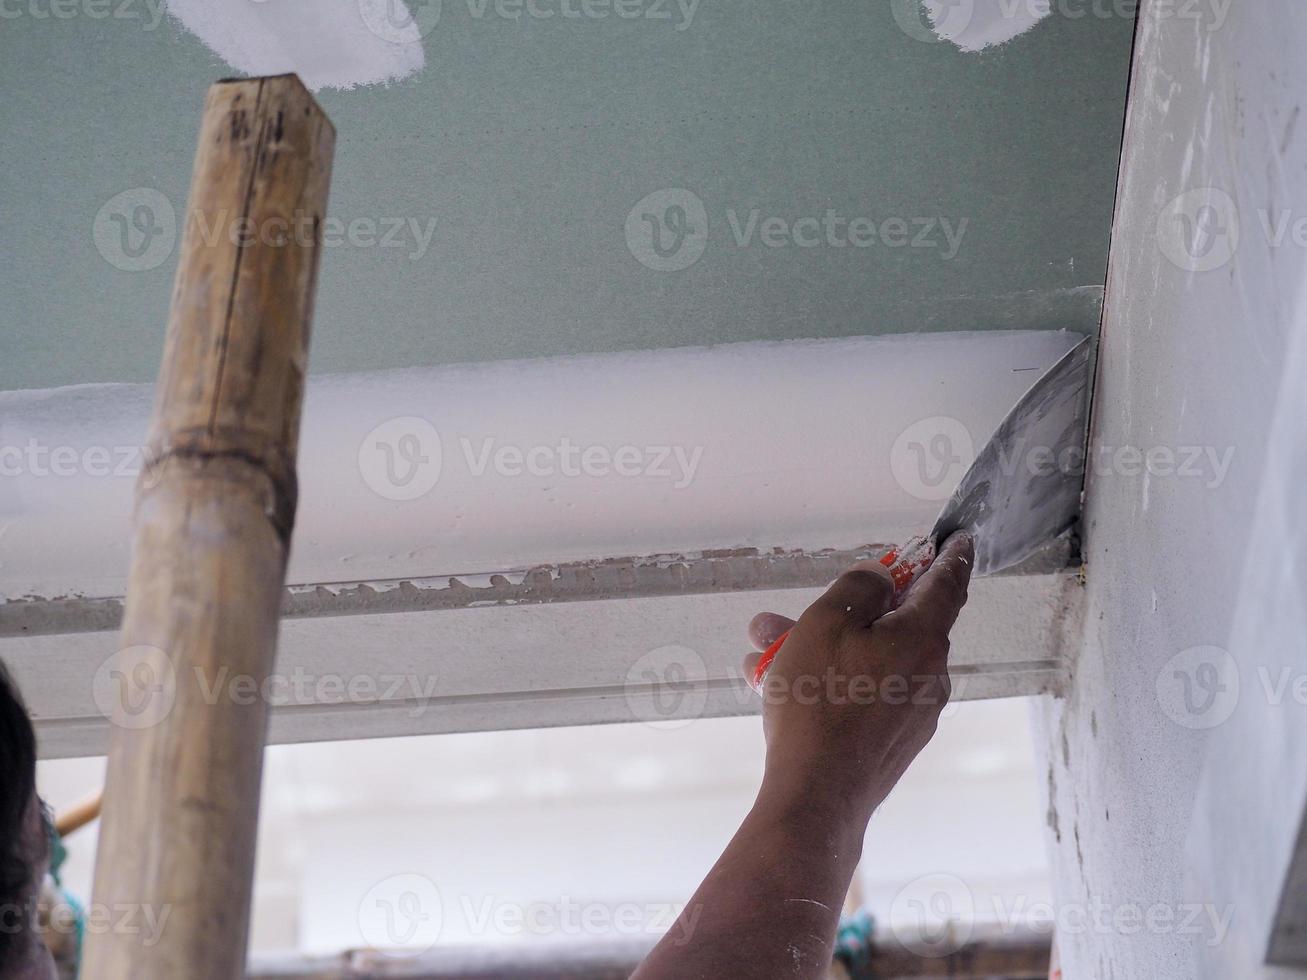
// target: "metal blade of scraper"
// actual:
[[1023, 490], [1020, 493]]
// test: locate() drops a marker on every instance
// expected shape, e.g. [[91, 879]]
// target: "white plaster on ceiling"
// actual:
[[974, 26], [329, 44]]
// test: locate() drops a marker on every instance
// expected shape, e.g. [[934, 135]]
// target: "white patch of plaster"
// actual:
[[974, 25], [329, 44]]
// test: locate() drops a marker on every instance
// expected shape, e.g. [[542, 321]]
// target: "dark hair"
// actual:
[[17, 787]]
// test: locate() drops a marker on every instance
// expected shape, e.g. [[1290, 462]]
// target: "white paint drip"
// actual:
[[329, 44], [974, 25]]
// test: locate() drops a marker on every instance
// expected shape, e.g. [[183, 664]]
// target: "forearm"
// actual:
[[771, 904]]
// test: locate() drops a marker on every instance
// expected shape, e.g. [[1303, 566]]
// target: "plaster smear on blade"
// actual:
[[329, 44], [974, 25]]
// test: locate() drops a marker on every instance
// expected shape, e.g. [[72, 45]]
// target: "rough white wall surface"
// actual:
[[1177, 765]]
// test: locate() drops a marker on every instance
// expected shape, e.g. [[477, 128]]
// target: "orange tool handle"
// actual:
[[904, 565]]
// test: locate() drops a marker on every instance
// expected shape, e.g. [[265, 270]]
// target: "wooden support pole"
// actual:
[[214, 510]]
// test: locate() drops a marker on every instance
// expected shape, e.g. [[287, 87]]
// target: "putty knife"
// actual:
[[1022, 490]]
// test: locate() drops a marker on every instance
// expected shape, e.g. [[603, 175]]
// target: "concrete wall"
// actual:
[[1176, 765]]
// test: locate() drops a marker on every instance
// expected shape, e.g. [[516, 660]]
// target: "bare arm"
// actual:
[[852, 697]]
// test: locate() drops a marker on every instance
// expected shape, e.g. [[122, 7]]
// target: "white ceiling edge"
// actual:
[[664, 661], [795, 444]]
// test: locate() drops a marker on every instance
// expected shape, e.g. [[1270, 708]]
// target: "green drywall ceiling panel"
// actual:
[[528, 143]]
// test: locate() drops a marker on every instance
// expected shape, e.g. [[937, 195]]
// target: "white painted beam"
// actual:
[[477, 468], [660, 659], [752, 474]]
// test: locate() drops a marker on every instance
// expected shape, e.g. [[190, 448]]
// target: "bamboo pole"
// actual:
[[214, 511], [79, 814]]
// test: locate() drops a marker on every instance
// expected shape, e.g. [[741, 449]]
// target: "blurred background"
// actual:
[[591, 832]]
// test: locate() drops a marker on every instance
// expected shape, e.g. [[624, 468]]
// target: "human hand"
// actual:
[[856, 690]]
